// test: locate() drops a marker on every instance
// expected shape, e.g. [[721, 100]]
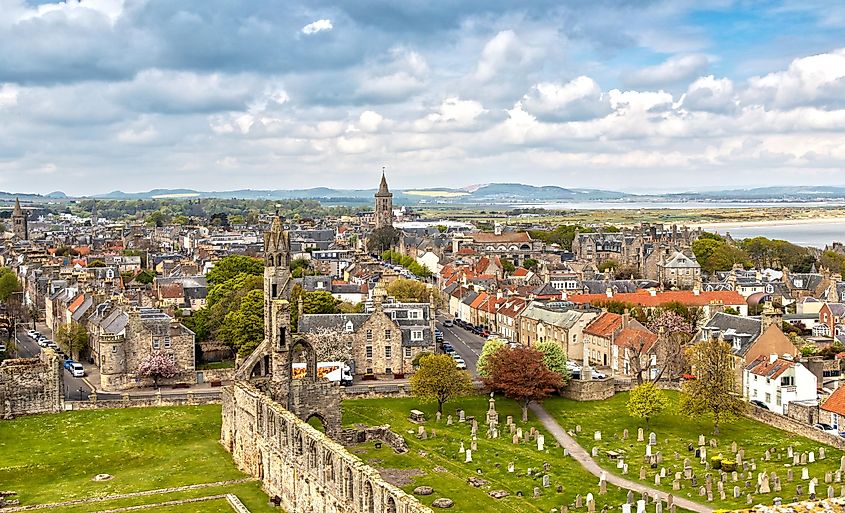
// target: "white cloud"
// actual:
[[577, 100], [814, 80], [317, 26], [369, 121], [673, 70], [710, 94], [504, 54]]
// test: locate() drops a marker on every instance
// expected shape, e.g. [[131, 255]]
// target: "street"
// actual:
[[466, 344], [28, 348]]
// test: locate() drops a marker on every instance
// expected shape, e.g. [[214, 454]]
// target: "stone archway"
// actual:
[[369, 500], [390, 505]]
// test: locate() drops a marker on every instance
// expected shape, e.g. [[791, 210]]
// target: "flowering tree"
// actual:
[[674, 332], [519, 373], [158, 365]]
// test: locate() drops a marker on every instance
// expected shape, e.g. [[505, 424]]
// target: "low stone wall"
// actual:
[[128, 401], [589, 390], [795, 427], [223, 375]]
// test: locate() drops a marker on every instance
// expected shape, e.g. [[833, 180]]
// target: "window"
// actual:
[[388, 370], [387, 334], [416, 335], [787, 381], [768, 397], [414, 314], [349, 327], [369, 335], [777, 397], [113, 349], [156, 343], [388, 351], [407, 352], [167, 343], [369, 351]]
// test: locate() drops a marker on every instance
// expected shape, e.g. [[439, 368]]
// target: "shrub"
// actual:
[[728, 465], [716, 462]]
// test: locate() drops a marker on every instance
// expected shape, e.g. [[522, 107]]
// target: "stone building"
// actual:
[[563, 325], [680, 270], [20, 225], [121, 337], [384, 205], [31, 385], [642, 248]]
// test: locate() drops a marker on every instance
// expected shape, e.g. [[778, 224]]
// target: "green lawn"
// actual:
[[53, 458], [675, 432], [492, 457]]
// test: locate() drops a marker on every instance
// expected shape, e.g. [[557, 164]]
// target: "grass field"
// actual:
[[674, 434], [53, 458], [441, 466]]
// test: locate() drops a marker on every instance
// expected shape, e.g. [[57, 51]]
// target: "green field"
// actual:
[[674, 434], [438, 463], [53, 458]]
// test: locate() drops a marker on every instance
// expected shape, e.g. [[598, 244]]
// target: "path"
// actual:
[[583, 458]]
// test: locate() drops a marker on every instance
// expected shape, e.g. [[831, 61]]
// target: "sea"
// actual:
[[815, 235]]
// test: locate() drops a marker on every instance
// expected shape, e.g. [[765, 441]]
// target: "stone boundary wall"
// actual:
[[362, 434], [592, 390], [126, 401], [305, 469], [236, 504], [379, 390], [796, 427]]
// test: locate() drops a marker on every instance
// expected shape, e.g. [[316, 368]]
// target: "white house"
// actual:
[[777, 381]]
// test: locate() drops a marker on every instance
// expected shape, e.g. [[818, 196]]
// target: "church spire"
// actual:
[[18, 211], [382, 188]]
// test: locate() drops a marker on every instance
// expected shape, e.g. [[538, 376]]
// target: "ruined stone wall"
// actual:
[[303, 467], [31, 385]]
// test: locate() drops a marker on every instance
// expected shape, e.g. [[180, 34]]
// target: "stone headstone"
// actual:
[[702, 491], [625, 468], [749, 499], [700, 440], [536, 492], [822, 454], [828, 477], [515, 439], [733, 447], [805, 473], [799, 490], [811, 458], [578, 430], [462, 416], [640, 506], [830, 493], [736, 492], [842, 464], [626, 508], [658, 507], [796, 459], [449, 420], [519, 433], [541, 440], [509, 420], [640, 435], [789, 451], [474, 445], [790, 475], [734, 476], [764, 484], [803, 458], [438, 416], [767, 455], [657, 480], [597, 435], [468, 457], [676, 484], [579, 501], [546, 483], [648, 451], [591, 506], [652, 438], [595, 452], [602, 487], [462, 449], [510, 467], [642, 473], [625, 434]]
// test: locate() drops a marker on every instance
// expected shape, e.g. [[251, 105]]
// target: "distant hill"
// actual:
[[795, 193]]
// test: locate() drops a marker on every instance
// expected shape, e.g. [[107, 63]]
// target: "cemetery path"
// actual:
[[583, 458]]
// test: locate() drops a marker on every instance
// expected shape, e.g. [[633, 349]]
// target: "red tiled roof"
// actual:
[[635, 338], [76, 303], [482, 296], [520, 271], [644, 298], [836, 402], [466, 251], [762, 367], [604, 325]]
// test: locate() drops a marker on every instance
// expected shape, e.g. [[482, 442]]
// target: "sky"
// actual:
[[637, 96]]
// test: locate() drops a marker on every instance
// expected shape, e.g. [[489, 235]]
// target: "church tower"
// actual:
[[384, 205], [19, 222], [277, 289], [95, 218]]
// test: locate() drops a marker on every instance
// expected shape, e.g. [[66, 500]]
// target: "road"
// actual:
[[28, 348], [466, 344]]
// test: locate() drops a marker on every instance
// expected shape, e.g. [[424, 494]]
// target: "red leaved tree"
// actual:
[[156, 366], [519, 373]]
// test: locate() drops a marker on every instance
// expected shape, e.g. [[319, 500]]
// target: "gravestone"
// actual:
[[462, 449], [641, 439], [597, 435], [510, 467], [468, 457], [541, 440], [733, 447], [579, 501], [515, 440], [640, 506], [828, 477], [474, 445], [805, 473], [602, 487], [670, 501], [578, 430], [595, 452], [700, 440], [642, 473], [803, 458], [811, 458], [461, 416], [736, 493], [657, 480], [830, 493], [652, 438], [630, 497], [546, 483], [536, 492], [449, 420], [438, 416], [764, 484], [591, 506], [789, 451], [625, 434], [676, 485], [822, 454], [790, 475], [626, 508]]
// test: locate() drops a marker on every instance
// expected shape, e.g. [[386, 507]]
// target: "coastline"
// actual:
[[768, 222]]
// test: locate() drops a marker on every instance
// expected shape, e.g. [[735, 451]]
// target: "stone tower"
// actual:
[[277, 289], [19, 222], [384, 205], [95, 218]]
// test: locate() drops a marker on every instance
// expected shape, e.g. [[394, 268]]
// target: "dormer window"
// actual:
[[349, 327]]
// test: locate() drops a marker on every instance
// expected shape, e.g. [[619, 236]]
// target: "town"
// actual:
[[290, 321]]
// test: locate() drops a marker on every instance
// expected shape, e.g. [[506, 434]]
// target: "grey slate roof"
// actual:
[[310, 323], [738, 331]]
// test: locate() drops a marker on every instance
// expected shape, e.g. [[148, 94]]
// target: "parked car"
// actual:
[[461, 365], [76, 370], [477, 330], [597, 374], [827, 428], [485, 333], [448, 324], [43, 342], [758, 403]]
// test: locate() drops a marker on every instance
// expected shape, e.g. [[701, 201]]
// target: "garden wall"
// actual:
[[146, 401]]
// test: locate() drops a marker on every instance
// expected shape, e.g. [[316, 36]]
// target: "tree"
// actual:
[[96, 263], [713, 391], [626, 272], [145, 277], [674, 331], [507, 265], [228, 267], [438, 378], [646, 401], [382, 239], [731, 310], [555, 358], [158, 365], [243, 328], [519, 373], [530, 264], [319, 302], [487, 351], [74, 337], [607, 264], [409, 290], [8, 283]]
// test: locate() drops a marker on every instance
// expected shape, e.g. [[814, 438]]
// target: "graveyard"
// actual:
[[157, 455], [515, 472], [748, 463]]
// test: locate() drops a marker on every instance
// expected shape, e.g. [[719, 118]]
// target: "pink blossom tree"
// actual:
[[158, 365]]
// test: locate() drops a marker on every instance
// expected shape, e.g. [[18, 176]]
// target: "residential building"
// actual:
[[778, 381]]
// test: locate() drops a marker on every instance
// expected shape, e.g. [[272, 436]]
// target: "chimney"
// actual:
[[773, 357], [652, 293], [695, 290], [609, 292], [626, 318]]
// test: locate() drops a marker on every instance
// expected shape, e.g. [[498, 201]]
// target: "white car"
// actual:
[[76, 370], [461, 365], [827, 428]]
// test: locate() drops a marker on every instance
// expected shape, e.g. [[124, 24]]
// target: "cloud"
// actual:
[[709, 94], [670, 71], [817, 80], [317, 26], [577, 100]]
